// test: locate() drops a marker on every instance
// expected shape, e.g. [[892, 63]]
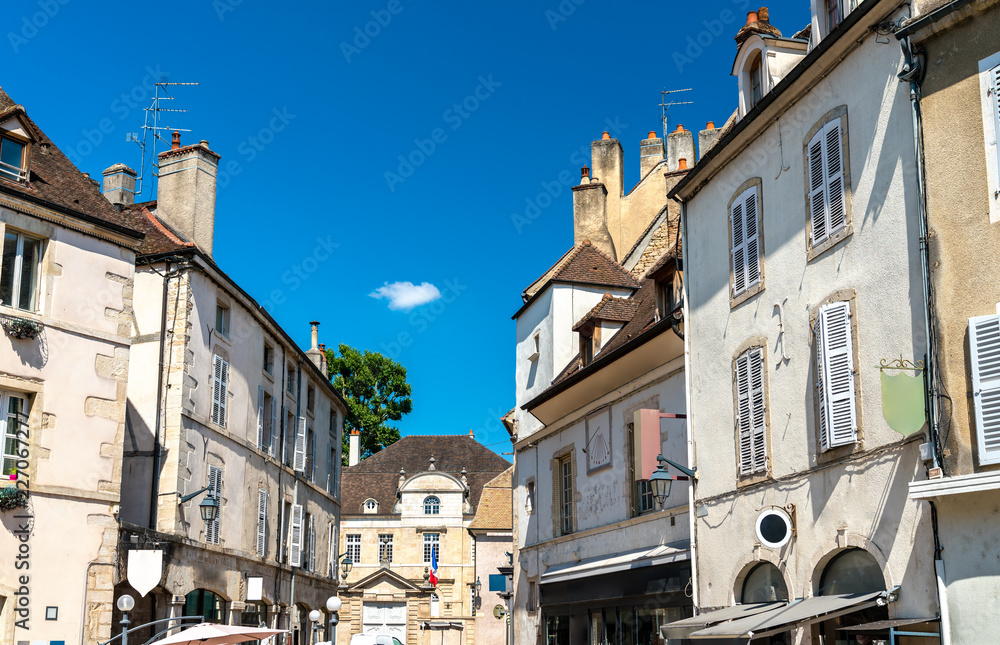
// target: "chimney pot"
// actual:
[[176, 141], [680, 128], [652, 135], [586, 242], [682, 164], [762, 14], [710, 126], [472, 434], [606, 135], [751, 17], [203, 143], [584, 172]]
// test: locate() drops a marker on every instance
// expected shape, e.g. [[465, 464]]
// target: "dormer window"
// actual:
[[22, 258], [756, 86], [834, 14], [590, 341], [371, 506], [669, 289], [12, 159]]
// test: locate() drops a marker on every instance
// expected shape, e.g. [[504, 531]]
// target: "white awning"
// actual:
[[796, 614], [683, 628], [624, 561]]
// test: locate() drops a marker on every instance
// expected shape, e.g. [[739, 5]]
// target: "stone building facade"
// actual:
[[67, 286], [493, 545], [416, 497], [225, 407]]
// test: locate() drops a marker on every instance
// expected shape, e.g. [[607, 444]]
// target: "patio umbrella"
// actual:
[[212, 634]]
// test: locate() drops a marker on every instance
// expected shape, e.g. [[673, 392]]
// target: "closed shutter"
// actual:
[[746, 241], [220, 387], [827, 194], [750, 410], [296, 536], [984, 352], [260, 418], [994, 96], [739, 248], [835, 376], [261, 522], [329, 469], [212, 529], [300, 444], [274, 426]]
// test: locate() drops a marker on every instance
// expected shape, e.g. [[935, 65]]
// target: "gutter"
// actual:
[[931, 18], [90, 219]]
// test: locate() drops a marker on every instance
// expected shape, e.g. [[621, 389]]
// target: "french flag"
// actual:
[[434, 567]]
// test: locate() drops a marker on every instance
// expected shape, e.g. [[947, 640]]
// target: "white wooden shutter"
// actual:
[[739, 248], [750, 409], [993, 139], [212, 535], [836, 211], [260, 418], [274, 426], [984, 352], [261, 522], [220, 386], [752, 236], [835, 376], [300, 444], [296, 536], [817, 190], [312, 542]]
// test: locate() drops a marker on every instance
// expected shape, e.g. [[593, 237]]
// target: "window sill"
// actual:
[[746, 295], [840, 452], [743, 481], [814, 252], [268, 375]]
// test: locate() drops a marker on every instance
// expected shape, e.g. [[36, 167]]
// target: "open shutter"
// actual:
[[261, 522], [329, 468], [274, 426], [744, 413], [296, 536], [757, 420], [220, 387], [300, 444], [260, 418], [214, 490], [817, 190], [752, 236], [312, 542], [837, 215], [836, 376], [984, 352], [739, 248]]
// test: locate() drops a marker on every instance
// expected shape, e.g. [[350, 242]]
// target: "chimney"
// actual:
[[758, 22], [472, 434], [707, 138], [354, 448], [119, 185], [313, 353], [680, 145], [323, 365], [597, 204], [185, 195], [650, 153]]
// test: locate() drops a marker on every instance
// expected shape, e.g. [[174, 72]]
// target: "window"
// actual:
[[22, 257], [851, 571], [291, 379], [14, 408], [535, 347], [431, 543], [311, 398], [432, 505], [756, 85], [254, 614], [300, 445], [751, 430], [202, 602], [833, 14], [267, 418], [587, 345], [12, 159], [642, 495], [532, 595], [220, 389], [828, 182], [370, 506], [354, 547], [669, 291], [310, 470], [295, 536], [529, 498], [565, 493], [764, 583], [309, 543], [222, 320], [261, 522], [984, 343], [744, 222], [289, 447], [835, 376], [385, 549], [989, 88], [214, 490], [268, 359]]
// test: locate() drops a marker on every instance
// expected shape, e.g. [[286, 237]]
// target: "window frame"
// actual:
[[432, 540], [567, 488], [432, 505], [756, 67], [818, 132], [8, 416], [223, 319], [34, 304], [989, 90], [385, 549], [752, 187], [352, 546], [22, 170]]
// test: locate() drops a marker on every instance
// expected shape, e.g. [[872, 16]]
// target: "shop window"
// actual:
[[764, 583], [204, 603], [852, 571]]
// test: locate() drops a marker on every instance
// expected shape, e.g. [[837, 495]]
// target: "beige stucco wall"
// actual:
[[74, 374]]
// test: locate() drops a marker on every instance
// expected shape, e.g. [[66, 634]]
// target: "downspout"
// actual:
[[692, 526], [912, 73]]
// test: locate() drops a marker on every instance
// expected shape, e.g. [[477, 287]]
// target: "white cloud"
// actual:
[[406, 295]]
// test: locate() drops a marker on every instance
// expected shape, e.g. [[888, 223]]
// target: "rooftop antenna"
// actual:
[[666, 105], [152, 127]]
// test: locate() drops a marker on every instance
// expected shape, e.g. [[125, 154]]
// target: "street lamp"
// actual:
[[661, 480], [314, 616], [346, 564], [125, 604], [479, 586], [333, 605], [209, 506]]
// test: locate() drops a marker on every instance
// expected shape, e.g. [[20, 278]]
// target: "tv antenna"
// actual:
[[666, 105], [152, 127]]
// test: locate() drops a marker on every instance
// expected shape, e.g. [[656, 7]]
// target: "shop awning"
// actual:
[[624, 561], [793, 615], [683, 628]]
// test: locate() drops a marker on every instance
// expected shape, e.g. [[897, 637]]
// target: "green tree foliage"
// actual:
[[376, 391]]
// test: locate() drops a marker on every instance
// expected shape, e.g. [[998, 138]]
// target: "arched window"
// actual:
[[764, 583], [432, 505], [371, 506], [756, 81], [202, 602], [853, 571]]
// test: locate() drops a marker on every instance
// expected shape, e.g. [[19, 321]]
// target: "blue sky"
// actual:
[[385, 141]]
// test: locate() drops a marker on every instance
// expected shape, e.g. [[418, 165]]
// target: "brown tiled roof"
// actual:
[[609, 308], [377, 476], [496, 504], [160, 238], [53, 178]]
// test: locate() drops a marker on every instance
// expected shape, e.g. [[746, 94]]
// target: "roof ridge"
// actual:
[[570, 253]]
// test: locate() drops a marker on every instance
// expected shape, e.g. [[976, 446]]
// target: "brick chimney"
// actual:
[[758, 22], [597, 200], [314, 353], [119, 185], [650, 153], [185, 195], [680, 145]]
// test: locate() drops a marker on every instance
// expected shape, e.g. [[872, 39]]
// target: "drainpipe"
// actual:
[[692, 526]]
